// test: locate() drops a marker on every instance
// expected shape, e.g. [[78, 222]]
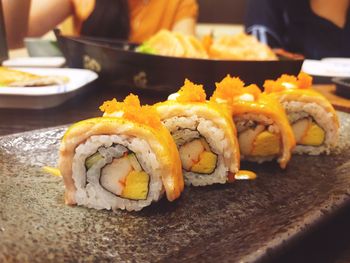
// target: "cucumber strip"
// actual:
[[91, 160], [134, 162]]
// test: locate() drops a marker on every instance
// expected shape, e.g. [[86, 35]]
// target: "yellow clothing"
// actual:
[[146, 17]]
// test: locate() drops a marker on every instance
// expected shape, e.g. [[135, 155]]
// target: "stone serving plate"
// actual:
[[244, 221]]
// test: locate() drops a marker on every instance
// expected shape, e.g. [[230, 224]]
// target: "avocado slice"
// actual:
[[146, 49], [92, 159]]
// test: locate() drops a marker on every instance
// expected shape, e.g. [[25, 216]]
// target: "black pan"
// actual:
[[3, 39], [117, 62]]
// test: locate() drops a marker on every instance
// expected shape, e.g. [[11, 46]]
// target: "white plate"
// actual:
[[47, 96], [42, 62], [328, 67]]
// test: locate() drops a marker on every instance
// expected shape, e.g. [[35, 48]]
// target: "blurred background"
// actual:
[[221, 11], [221, 18]]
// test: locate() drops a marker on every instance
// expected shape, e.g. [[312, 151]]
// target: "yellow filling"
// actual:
[[314, 135], [266, 144], [206, 163], [136, 186]]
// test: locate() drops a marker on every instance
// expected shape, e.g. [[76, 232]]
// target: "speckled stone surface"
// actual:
[[235, 222]]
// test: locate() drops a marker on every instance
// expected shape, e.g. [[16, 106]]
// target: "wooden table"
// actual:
[[329, 91], [329, 243]]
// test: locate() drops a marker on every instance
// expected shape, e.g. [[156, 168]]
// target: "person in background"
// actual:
[[134, 20], [314, 28]]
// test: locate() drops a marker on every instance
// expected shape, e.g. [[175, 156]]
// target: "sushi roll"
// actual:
[[313, 119], [263, 130], [125, 159], [204, 134]]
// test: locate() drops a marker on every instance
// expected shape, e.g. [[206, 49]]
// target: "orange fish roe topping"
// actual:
[[231, 88], [110, 106], [133, 111], [146, 115], [303, 81], [132, 101], [253, 89], [191, 92]]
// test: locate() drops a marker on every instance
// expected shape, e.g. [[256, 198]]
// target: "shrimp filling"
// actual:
[[258, 140], [120, 172], [195, 153]]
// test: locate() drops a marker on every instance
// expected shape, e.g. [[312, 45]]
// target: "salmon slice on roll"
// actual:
[[313, 119], [263, 130], [124, 160], [204, 134]]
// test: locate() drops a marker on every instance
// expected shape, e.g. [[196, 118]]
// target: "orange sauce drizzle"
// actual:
[[245, 175], [51, 170]]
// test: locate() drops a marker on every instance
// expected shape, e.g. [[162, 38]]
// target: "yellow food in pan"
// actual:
[[235, 47]]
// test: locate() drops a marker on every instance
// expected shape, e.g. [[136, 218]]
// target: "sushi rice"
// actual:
[[246, 121], [91, 193], [297, 110], [190, 126]]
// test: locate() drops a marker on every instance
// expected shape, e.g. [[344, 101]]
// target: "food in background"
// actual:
[[174, 44], [313, 119], [240, 47], [229, 47], [263, 130], [204, 134], [16, 78], [125, 159]]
